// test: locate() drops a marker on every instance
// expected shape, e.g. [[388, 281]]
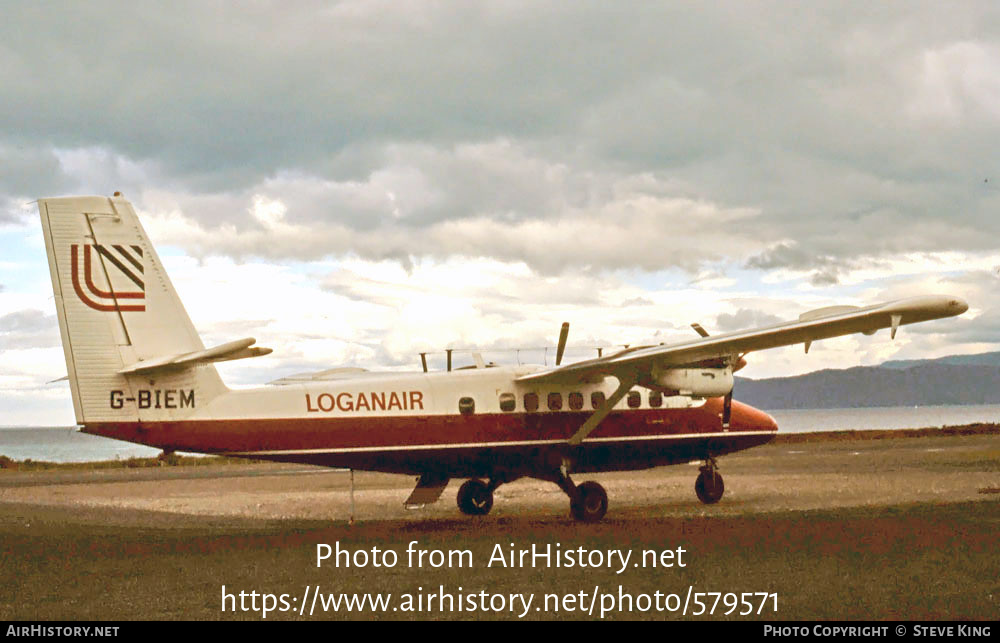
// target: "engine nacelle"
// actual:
[[697, 382]]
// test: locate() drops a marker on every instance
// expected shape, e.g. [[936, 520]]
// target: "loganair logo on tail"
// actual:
[[127, 261]]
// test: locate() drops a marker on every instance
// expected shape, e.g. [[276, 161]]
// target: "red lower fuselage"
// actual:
[[458, 445]]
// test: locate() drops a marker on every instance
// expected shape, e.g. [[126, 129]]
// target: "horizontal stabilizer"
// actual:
[[239, 349]]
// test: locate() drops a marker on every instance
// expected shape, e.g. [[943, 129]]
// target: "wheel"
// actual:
[[475, 498], [709, 487], [591, 502]]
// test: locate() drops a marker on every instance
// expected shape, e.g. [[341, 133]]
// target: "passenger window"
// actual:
[[596, 399], [530, 402], [507, 402], [466, 406], [634, 399], [576, 401], [655, 399], [555, 401]]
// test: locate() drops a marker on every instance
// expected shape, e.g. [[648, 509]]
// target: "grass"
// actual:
[[887, 434], [919, 561], [170, 460]]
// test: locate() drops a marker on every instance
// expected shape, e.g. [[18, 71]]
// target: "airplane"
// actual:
[[139, 372]]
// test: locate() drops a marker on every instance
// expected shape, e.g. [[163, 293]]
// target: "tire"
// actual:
[[475, 498], [709, 487], [591, 502]]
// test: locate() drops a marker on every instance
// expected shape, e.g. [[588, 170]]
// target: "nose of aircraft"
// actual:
[[747, 418], [958, 305]]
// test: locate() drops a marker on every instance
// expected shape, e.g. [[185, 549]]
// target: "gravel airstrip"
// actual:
[[845, 528]]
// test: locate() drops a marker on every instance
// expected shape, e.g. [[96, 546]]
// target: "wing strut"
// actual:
[[626, 382]]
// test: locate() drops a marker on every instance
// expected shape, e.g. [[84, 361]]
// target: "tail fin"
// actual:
[[117, 308]]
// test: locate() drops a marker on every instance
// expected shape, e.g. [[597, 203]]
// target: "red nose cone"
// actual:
[[747, 418]]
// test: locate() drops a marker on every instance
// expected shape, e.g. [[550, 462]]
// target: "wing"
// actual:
[[642, 363]]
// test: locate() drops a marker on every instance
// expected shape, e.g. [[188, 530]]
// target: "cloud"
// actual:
[[553, 161], [958, 82], [28, 169], [637, 301], [745, 318], [25, 329], [624, 222], [354, 114]]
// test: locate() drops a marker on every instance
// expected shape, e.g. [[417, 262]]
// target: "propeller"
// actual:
[[727, 401], [727, 409]]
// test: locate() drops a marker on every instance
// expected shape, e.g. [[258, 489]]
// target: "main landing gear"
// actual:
[[709, 485], [475, 497], [588, 502]]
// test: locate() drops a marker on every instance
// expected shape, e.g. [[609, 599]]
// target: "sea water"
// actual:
[[887, 417]]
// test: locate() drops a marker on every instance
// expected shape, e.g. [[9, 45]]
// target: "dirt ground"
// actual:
[[886, 529], [767, 479]]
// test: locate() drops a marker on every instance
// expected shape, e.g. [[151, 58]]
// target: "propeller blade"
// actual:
[[563, 335], [737, 365]]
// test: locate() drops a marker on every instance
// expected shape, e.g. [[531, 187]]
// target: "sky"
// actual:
[[355, 182]]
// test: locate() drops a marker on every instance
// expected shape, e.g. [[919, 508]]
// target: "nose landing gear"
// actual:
[[709, 486], [590, 503]]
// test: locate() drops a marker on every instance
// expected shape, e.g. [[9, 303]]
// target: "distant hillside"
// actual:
[[982, 359], [958, 379]]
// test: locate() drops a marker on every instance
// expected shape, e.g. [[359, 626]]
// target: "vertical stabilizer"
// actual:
[[117, 307]]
